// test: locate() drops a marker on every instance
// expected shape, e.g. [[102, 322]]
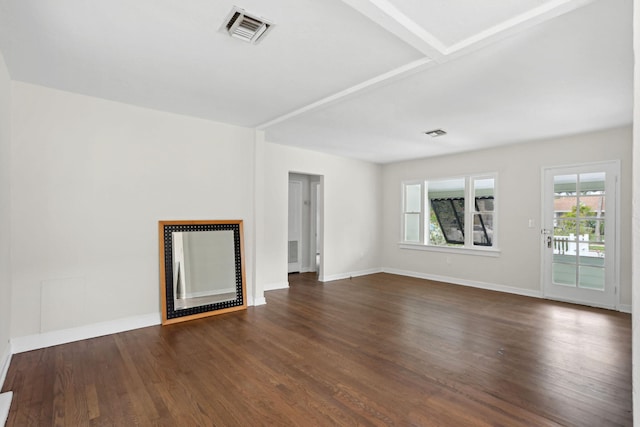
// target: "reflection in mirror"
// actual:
[[202, 270], [198, 258]]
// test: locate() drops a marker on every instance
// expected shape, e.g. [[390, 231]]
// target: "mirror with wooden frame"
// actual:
[[201, 269]]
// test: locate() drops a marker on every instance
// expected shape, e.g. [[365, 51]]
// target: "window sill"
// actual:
[[488, 252]]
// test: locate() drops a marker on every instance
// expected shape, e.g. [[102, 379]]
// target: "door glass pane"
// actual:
[[591, 260], [591, 278], [565, 228], [412, 227], [565, 184], [564, 268], [596, 244], [592, 182], [564, 272], [582, 239], [578, 232], [598, 231], [590, 215]]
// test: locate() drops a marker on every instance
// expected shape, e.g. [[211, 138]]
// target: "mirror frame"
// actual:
[[165, 230]]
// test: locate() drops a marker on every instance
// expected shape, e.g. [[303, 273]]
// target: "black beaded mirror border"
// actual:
[[168, 262]]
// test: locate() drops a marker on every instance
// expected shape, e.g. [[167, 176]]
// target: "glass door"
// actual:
[[579, 235]]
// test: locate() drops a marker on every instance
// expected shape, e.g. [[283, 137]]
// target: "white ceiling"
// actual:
[[357, 78]]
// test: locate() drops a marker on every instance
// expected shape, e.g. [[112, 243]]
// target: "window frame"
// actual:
[[405, 212], [471, 211]]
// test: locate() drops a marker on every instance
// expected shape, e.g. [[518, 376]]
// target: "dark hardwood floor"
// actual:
[[373, 351]]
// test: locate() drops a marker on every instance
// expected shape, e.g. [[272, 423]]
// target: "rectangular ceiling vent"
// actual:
[[246, 27], [435, 133]]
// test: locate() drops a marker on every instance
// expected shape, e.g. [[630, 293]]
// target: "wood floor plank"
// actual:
[[376, 350]]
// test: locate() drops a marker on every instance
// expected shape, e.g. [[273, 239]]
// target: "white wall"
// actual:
[[519, 197], [91, 178], [5, 213], [636, 213], [352, 213]]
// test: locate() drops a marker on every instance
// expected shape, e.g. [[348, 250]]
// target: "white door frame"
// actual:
[[294, 232], [319, 209], [313, 229], [612, 168], [320, 231]]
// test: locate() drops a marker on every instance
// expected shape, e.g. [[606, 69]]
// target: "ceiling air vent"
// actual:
[[435, 133], [246, 27]]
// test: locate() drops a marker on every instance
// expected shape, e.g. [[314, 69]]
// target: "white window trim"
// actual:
[[468, 248], [496, 220], [423, 199], [479, 251]]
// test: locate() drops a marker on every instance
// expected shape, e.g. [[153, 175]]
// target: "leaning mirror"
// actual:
[[201, 269]]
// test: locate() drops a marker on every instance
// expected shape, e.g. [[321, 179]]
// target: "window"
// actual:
[[446, 215], [412, 212], [484, 198], [460, 212]]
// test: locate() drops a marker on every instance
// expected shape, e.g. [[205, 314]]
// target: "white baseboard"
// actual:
[[5, 361], [483, 285], [259, 301], [63, 336], [276, 286], [5, 405], [341, 276], [625, 308], [464, 282]]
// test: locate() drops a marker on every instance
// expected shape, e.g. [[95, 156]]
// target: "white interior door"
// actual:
[[295, 226], [580, 247]]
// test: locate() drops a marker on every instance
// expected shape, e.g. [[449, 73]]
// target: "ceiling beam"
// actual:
[[395, 74], [531, 18], [385, 14]]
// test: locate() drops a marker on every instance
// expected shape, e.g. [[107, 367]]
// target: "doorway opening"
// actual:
[[305, 224]]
